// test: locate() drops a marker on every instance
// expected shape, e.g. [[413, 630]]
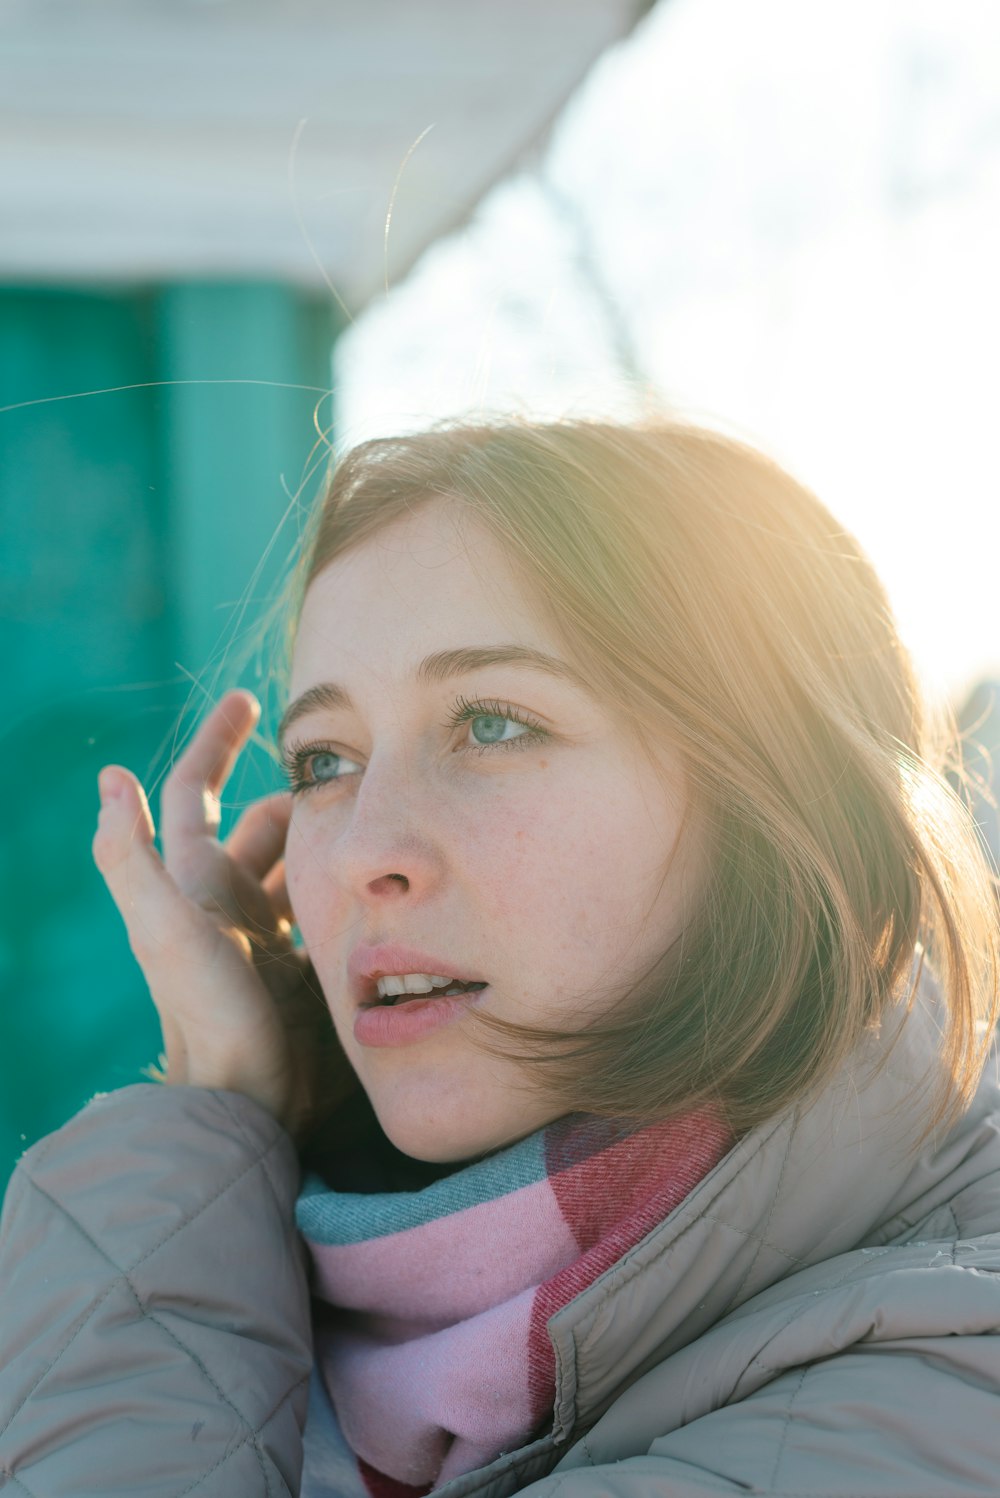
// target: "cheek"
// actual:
[[584, 868], [543, 866], [317, 901]]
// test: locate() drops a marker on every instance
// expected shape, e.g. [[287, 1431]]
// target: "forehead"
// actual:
[[435, 579]]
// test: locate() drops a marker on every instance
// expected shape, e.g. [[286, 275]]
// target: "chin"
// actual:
[[439, 1140], [431, 1144]]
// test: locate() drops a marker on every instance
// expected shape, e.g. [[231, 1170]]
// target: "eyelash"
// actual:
[[295, 758]]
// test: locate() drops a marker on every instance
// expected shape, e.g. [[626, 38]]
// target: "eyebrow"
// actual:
[[436, 668]]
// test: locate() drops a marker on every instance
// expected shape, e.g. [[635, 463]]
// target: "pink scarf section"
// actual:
[[437, 1359]]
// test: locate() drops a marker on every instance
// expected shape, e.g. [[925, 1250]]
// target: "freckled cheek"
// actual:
[[533, 858]]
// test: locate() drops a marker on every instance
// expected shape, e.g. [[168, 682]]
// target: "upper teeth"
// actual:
[[411, 983]]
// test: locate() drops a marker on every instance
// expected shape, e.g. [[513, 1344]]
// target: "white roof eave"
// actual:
[[144, 140]]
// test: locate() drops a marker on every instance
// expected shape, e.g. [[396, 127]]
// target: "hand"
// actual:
[[211, 927]]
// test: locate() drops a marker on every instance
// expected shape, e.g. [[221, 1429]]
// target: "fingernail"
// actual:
[[109, 786]]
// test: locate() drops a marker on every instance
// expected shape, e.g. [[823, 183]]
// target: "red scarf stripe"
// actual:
[[656, 1171]]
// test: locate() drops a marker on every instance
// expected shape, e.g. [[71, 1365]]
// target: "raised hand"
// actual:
[[211, 927]]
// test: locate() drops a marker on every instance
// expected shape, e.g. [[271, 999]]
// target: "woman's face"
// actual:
[[547, 865]]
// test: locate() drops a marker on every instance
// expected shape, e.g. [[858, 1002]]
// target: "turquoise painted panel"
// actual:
[[241, 441], [132, 517]]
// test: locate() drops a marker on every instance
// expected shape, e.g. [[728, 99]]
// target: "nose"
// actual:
[[389, 845]]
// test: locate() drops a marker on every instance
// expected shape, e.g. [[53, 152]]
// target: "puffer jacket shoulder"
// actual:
[[154, 1310]]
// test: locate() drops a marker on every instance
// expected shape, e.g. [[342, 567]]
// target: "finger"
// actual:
[[149, 902], [189, 802], [258, 839]]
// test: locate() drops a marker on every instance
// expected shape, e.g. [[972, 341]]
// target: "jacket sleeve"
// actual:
[[154, 1309]]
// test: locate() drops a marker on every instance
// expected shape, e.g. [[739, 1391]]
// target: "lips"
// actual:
[[367, 964]]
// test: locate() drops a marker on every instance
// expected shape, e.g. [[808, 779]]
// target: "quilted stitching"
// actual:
[[244, 1448], [121, 1274], [761, 1239], [251, 1435], [262, 1159], [13, 1477], [786, 1424], [854, 1270]]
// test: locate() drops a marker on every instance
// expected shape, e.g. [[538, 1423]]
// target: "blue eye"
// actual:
[[324, 765], [308, 766], [496, 715], [494, 733]]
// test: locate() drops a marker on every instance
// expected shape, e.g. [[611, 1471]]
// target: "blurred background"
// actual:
[[237, 236]]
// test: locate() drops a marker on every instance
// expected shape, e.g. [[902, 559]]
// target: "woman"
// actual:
[[615, 1121]]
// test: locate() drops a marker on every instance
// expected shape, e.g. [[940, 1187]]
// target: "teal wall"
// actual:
[[133, 523]]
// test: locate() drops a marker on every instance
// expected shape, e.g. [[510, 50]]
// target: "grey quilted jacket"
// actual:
[[819, 1317]]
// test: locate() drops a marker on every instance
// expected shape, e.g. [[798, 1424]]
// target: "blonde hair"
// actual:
[[717, 606]]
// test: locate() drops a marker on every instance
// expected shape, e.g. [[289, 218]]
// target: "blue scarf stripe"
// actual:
[[341, 1218]]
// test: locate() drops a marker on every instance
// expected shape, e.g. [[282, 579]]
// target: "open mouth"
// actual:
[[445, 991]]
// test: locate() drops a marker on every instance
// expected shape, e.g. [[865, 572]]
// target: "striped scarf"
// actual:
[[431, 1301]]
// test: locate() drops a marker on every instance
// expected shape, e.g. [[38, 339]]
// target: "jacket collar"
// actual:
[[820, 1179]]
